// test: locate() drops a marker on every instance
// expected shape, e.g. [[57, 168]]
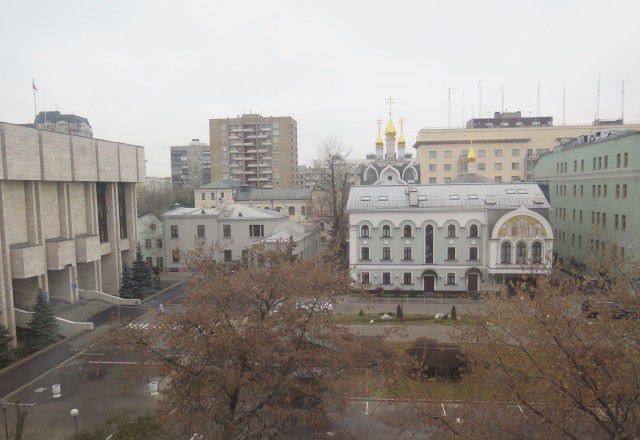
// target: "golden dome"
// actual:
[[401, 140], [471, 157], [390, 131], [379, 142]]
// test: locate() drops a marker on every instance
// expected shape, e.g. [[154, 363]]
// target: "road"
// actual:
[[40, 364]]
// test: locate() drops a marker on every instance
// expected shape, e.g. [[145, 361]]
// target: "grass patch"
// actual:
[[408, 319]]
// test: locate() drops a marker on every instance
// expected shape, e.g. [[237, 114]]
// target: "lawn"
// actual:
[[408, 319]]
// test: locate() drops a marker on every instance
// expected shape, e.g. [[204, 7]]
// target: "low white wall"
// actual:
[[66, 328], [94, 294]]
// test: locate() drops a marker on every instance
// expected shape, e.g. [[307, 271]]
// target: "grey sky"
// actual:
[[153, 72]]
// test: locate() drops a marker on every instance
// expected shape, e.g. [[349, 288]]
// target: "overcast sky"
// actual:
[[153, 72]]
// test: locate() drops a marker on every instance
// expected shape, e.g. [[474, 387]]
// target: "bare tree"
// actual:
[[331, 194], [253, 350]]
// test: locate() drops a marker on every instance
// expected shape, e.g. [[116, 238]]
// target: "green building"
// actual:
[[594, 192]]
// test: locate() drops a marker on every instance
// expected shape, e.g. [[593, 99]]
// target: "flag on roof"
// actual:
[[33, 84]]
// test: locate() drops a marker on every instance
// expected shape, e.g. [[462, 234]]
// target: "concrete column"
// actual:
[[7, 314], [112, 262], [61, 282], [91, 206], [89, 276], [132, 220], [34, 224], [62, 289]]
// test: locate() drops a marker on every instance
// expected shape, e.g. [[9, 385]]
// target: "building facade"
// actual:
[[258, 151], [190, 165], [68, 216], [507, 146], [230, 230], [594, 190], [150, 240], [471, 236]]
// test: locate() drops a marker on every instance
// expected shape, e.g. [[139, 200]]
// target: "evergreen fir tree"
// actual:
[[454, 313], [6, 353], [141, 275], [43, 328], [400, 313], [126, 286]]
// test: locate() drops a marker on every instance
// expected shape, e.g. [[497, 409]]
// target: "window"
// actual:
[[473, 231], [256, 230], [604, 190], [303, 210], [202, 195], [593, 191], [515, 152], [593, 165], [175, 255], [498, 179], [364, 231], [432, 154], [147, 243], [292, 210], [406, 231], [581, 190], [174, 231], [481, 153], [386, 231], [505, 253], [624, 191], [159, 243], [515, 166], [226, 231], [101, 196], [599, 162], [581, 164], [618, 161], [428, 244], [227, 256], [364, 253], [406, 278], [521, 252], [160, 261], [447, 167], [200, 229], [451, 253], [536, 251], [386, 278], [406, 253], [447, 154], [364, 277], [432, 167], [625, 162], [432, 180], [481, 167], [122, 210], [604, 219], [575, 166], [386, 253], [498, 152], [451, 231], [606, 162], [473, 253], [623, 222], [617, 191], [599, 190], [451, 278], [616, 221]]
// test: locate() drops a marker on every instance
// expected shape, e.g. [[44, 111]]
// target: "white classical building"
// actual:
[[470, 235], [150, 240], [230, 230]]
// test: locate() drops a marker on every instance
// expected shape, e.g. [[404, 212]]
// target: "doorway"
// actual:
[[429, 283], [472, 282]]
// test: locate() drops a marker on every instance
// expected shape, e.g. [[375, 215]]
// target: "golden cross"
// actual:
[[401, 124], [390, 101], [379, 121]]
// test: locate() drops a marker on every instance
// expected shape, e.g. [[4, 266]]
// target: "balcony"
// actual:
[[87, 248], [27, 260], [60, 253]]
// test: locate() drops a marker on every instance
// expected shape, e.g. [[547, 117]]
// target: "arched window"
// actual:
[[428, 244], [451, 231], [406, 231], [409, 174], [521, 252], [303, 210], [292, 210], [505, 253], [536, 252], [364, 231], [473, 231], [386, 231]]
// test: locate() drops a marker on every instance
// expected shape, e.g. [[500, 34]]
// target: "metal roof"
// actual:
[[230, 211], [221, 184], [479, 196], [258, 194]]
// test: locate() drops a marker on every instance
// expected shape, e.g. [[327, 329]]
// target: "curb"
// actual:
[[32, 356], [179, 283]]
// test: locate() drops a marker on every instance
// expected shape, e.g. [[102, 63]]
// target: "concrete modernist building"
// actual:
[[254, 150], [150, 240], [230, 230], [67, 215], [470, 235], [594, 189], [190, 165], [68, 124], [507, 146], [294, 202]]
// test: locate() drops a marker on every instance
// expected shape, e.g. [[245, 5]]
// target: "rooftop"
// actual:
[[230, 211], [451, 195], [221, 184], [55, 116], [258, 194]]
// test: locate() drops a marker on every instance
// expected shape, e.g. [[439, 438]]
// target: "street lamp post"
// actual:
[[6, 427], [74, 413]]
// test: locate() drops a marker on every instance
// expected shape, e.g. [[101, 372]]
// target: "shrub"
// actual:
[[432, 359], [454, 313], [6, 353], [361, 312], [43, 329], [399, 312]]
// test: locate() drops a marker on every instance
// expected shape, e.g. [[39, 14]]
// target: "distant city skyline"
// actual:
[[149, 75]]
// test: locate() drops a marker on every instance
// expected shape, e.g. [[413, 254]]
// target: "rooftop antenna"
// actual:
[[598, 99], [502, 98], [564, 103], [479, 98], [449, 88], [622, 101], [538, 102]]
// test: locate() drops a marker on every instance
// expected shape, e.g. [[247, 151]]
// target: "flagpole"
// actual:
[[35, 107]]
